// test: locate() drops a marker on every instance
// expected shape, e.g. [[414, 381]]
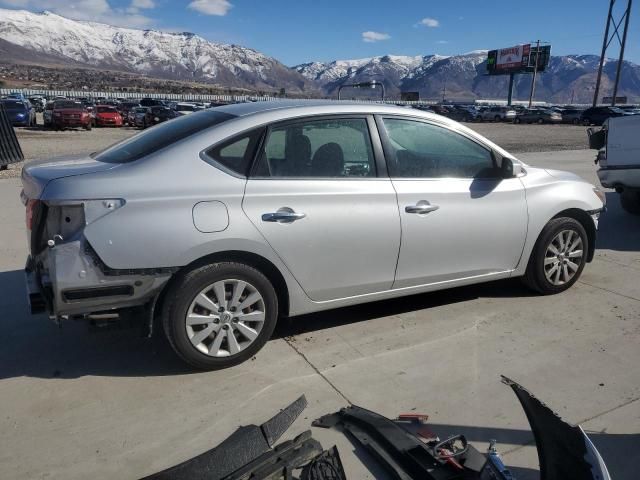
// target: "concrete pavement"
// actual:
[[77, 404]]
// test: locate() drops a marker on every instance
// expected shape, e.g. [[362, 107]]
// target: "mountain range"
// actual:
[[49, 39]]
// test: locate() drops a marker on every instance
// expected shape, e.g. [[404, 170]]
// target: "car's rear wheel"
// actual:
[[220, 315], [497, 118], [558, 257], [517, 120], [630, 201], [540, 121]]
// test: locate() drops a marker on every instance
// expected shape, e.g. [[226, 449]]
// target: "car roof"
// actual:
[[312, 107]]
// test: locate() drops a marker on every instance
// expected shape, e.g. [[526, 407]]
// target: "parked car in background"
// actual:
[[537, 115], [571, 115], [161, 114], [619, 143], [597, 115], [38, 103], [107, 116], [20, 112], [47, 114], [125, 107], [498, 114], [186, 108], [223, 247], [142, 117], [464, 113], [70, 114], [151, 102]]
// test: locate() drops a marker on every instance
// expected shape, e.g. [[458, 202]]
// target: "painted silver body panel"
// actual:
[[350, 234], [466, 236], [356, 233]]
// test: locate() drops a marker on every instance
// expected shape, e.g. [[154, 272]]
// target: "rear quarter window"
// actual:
[[161, 136]]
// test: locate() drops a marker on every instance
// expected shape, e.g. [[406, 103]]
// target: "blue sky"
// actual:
[[296, 31]]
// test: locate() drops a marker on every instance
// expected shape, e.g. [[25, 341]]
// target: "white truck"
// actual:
[[618, 143]]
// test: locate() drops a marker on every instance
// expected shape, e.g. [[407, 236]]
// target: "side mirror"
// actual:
[[509, 168]]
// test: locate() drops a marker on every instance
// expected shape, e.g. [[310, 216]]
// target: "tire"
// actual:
[[497, 118], [180, 302], [630, 201], [517, 120], [544, 278], [540, 121], [575, 121], [586, 122]]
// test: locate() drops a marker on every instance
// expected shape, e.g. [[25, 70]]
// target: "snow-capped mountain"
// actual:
[[52, 40], [568, 78], [166, 55]]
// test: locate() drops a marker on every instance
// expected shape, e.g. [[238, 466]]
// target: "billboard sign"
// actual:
[[513, 57], [517, 59]]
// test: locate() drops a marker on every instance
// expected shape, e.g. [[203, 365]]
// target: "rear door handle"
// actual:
[[283, 215], [421, 207]]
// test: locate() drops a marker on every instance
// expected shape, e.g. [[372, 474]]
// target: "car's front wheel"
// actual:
[[558, 257], [220, 315]]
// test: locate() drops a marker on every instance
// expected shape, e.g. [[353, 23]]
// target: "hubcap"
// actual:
[[563, 257], [225, 318]]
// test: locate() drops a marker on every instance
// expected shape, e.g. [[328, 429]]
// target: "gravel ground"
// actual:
[[38, 143]]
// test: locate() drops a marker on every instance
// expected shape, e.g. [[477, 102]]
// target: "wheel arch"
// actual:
[[587, 222], [260, 263]]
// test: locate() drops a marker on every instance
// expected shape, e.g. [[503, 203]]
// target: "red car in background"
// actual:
[[107, 116], [70, 114]]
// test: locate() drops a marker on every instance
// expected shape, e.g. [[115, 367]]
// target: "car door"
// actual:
[[459, 219], [315, 196]]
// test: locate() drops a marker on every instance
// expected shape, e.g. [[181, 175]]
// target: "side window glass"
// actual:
[[236, 154], [422, 150], [318, 148]]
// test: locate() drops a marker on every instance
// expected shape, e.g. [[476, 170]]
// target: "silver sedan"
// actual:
[[220, 222]]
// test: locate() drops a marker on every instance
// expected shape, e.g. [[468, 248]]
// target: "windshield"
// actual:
[[106, 110], [13, 104], [64, 105], [161, 136]]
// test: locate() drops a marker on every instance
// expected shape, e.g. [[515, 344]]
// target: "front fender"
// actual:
[[547, 196]]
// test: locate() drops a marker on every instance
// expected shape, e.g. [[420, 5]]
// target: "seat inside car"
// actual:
[[328, 161], [297, 155]]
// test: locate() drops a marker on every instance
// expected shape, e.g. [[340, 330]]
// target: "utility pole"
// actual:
[[621, 57], [605, 44], [510, 96], [444, 90], [535, 73]]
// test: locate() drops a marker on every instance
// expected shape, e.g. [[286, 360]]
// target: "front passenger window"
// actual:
[[423, 150]]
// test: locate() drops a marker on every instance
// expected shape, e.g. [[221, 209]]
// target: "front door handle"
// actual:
[[421, 207], [283, 215]]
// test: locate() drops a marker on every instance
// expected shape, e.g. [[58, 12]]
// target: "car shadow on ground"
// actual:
[[617, 229], [361, 313], [33, 346]]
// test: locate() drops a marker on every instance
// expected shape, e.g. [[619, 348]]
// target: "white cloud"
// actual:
[[92, 10], [371, 37], [211, 7], [442, 42], [143, 4], [429, 22]]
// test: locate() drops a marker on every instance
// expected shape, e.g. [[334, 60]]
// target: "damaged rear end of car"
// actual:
[[65, 276]]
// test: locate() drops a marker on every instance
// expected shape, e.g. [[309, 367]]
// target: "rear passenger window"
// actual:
[[318, 148], [236, 154]]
